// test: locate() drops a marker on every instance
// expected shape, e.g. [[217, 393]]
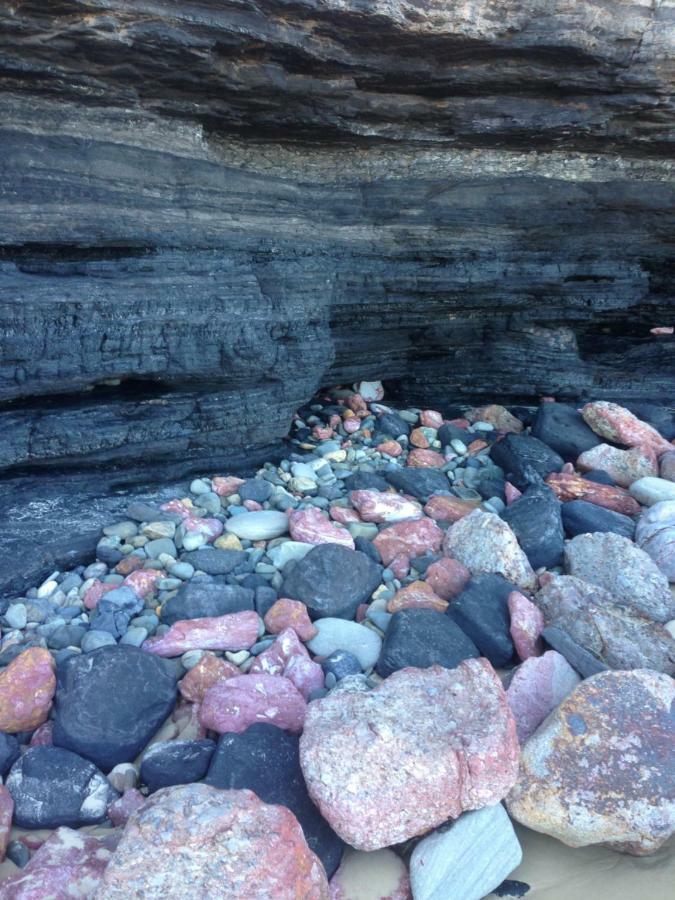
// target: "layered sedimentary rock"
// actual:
[[209, 210]]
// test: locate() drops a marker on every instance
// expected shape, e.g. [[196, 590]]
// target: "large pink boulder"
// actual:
[[68, 864], [311, 526], [601, 769], [447, 577], [382, 506], [194, 840], [234, 704], [623, 466], [288, 657], [27, 688], [426, 744], [618, 425], [527, 624], [413, 537], [285, 613], [209, 670], [235, 631], [537, 687], [484, 543]]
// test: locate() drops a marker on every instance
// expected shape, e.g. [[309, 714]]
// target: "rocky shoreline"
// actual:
[[293, 684]]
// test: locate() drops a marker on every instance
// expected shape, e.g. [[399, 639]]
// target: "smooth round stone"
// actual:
[[121, 530], [95, 570], [190, 658], [258, 526], [284, 553], [650, 490], [458, 446], [92, 640], [16, 616], [341, 634], [182, 570], [134, 636], [159, 530], [162, 545], [199, 486], [210, 502]]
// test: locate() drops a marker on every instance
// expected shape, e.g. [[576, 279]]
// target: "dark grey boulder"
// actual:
[[423, 638], [204, 597], [535, 519], [175, 762]]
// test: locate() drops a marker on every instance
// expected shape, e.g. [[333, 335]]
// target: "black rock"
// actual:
[[563, 429], [175, 762], [9, 752], [200, 598], [341, 663], [599, 476], [332, 580], [482, 612], [255, 489], [215, 562], [365, 481], [108, 554], [266, 760], [537, 524], [581, 517], [53, 787], [659, 417], [18, 853], [490, 485], [391, 425], [265, 598], [449, 432], [367, 547], [524, 459], [115, 610], [420, 483], [423, 638], [254, 581], [422, 563], [585, 662], [110, 702]]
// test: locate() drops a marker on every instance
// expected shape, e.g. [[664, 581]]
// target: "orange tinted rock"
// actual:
[[285, 613], [620, 426], [412, 537], [425, 459], [445, 508], [429, 418], [573, 487], [225, 486], [497, 416], [129, 564], [418, 595], [209, 670], [476, 446], [419, 439], [391, 448], [27, 688], [447, 577]]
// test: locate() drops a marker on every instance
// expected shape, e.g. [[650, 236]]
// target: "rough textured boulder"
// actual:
[[601, 770], [386, 765]]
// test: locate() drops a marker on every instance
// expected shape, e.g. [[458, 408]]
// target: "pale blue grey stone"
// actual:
[[341, 634], [258, 526], [284, 553]]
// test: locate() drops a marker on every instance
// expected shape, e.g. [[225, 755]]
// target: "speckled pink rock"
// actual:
[[498, 416], [233, 705], [288, 657], [601, 768], [417, 595], [425, 459], [539, 685], [183, 508], [418, 438], [120, 810], [429, 418], [381, 506], [568, 486], [196, 841], [620, 426], [68, 865], [204, 675], [511, 493], [390, 448], [226, 485], [444, 508], [285, 613], [624, 466], [412, 537], [447, 577], [252, 505], [311, 526], [379, 875], [351, 426], [344, 514], [235, 631], [394, 762], [94, 593], [486, 544], [527, 624], [27, 688], [6, 812], [209, 529], [143, 581]]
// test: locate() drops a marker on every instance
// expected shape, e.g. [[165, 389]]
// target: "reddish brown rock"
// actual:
[[419, 439], [426, 744], [235, 631], [497, 416], [226, 486], [400, 565], [143, 582], [618, 425], [623, 466], [447, 577], [69, 864], [6, 812], [485, 544], [94, 593], [444, 508], [601, 769], [129, 564], [344, 515], [429, 418], [285, 613], [567, 486], [209, 670], [383, 506], [184, 508], [288, 657], [311, 526], [527, 623], [412, 537], [234, 704], [418, 595], [194, 840], [390, 448], [425, 459], [27, 688]]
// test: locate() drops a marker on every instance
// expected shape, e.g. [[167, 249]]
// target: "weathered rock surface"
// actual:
[[27, 687], [655, 534], [386, 765], [236, 631], [486, 545], [196, 840], [539, 685], [236, 703], [316, 190], [601, 770]]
